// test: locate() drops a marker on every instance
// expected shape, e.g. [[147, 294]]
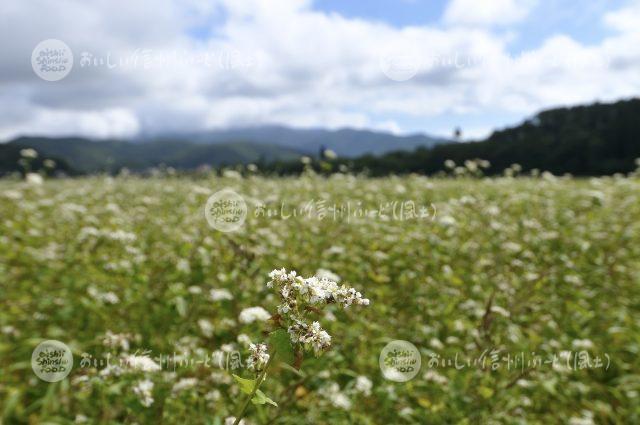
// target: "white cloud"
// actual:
[[284, 62], [487, 12], [105, 123], [626, 19]]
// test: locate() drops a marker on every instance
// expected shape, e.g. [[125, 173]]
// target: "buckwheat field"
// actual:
[[521, 295]]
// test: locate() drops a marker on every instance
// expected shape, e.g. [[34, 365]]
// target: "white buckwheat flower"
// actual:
[[300, 295], [244, 340], [258, 357], [144, 390], [103, 297], [337, 397], [311, 336], [142, 363], [206, 327], [363, 385], [253, 314], [111, 370], [220, 295], [277, 276], [113, 340], [34, 179], [184, 384], [28, 153]]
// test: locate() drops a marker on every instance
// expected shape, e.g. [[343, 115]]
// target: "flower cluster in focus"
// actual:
[[300, 295], [258, 357]]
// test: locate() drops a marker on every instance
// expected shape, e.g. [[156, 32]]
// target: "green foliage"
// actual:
[[245, 385], [599, 139], [558, 258], [261, 398], [12, 162], [283, 350]]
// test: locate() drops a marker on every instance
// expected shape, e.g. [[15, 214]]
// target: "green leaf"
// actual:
[[485, 392], [261, 398], [181, 306], [281, 344], [550, 386], [11, 403], [293, 370], [246, 385]]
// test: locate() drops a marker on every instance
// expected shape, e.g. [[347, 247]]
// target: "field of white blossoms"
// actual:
[[522, 295]]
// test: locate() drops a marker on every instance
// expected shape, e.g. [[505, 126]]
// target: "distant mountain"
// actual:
[[345, 142], [88, 156], [598, 139], [220, 147]]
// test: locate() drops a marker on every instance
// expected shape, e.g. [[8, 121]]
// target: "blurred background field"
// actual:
[[472, 168], [539, 267]]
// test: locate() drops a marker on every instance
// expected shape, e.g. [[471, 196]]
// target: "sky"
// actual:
[[405, 66]]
